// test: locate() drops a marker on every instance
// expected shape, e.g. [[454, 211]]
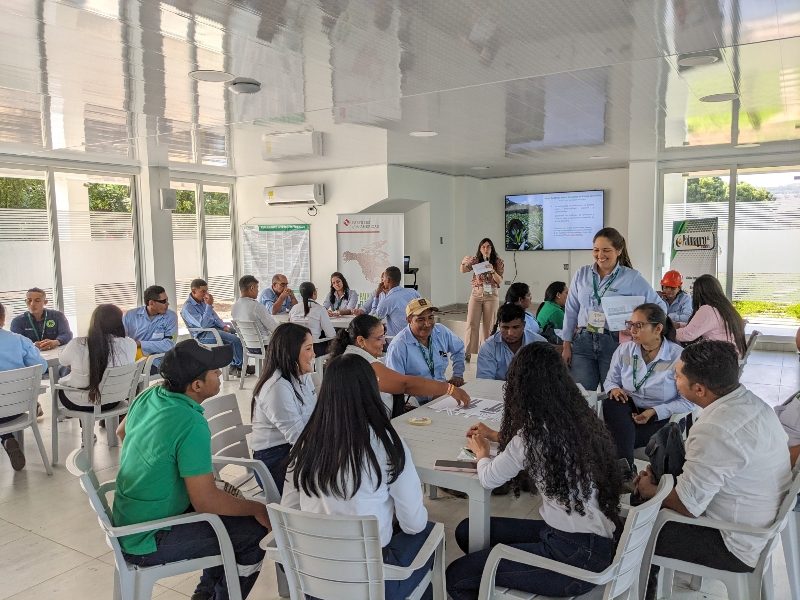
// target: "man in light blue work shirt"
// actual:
[[16, 352], [424, 347], [497, 351], [198, 312], [279, 298], [392, 308], [153, 326]]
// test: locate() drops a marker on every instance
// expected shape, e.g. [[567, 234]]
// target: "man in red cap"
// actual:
[[679, 303]]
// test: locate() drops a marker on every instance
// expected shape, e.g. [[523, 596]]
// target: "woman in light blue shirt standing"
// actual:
[[642, 394], [588, 343]]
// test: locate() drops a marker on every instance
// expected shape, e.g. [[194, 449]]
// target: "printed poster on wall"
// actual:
[[694, 249], [271, 249], [367, 244]]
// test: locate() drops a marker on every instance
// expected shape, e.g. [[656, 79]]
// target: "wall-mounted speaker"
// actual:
[[169, 199]]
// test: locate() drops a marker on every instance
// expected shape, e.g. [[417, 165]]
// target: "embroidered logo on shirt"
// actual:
[[49, 323]]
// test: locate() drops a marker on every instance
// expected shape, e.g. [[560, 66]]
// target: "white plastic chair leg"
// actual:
[[767, 583], [111, 431], [245, 362], [38, 437], [791, 552], [87, 433], [283, 583], [117, 586], [667, 576]]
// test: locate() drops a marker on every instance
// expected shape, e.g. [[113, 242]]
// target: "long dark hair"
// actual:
[[516, 292], [345, 287], [707, 290], [568, 450], [104, 326], [553, 290], [335, 445], [362, 325], [307, 290], [492, 255], [656, 316], [281, 355], [616, 239]]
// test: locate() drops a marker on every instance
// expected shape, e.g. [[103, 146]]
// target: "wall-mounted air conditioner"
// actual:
[[312, 194], [300, 144]]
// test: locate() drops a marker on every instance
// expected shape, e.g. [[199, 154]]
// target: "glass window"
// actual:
[[219, 247], [185, 241]]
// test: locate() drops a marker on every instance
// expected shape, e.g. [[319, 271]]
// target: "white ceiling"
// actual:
[[519, 86]]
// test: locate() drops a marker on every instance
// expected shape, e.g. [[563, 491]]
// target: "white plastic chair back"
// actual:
[[196, 332], [751, 343], [253, 344], [19, 389], [146, 379], [119, 384], [592, 398]]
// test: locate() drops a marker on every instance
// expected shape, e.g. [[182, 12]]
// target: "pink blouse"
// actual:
[[707, 324]]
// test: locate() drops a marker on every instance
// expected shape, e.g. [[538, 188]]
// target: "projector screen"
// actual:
[[558, 221]]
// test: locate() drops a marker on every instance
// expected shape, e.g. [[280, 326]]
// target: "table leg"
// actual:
[[479, 514], [433, 492], [53, 414]]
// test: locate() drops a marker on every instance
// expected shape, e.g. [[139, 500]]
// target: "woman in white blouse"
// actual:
[[283, 398], [351, 461], [313, 316], [549, 431], [341, 300]]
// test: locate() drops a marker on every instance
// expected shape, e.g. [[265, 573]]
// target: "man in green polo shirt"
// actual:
[[165, 470]]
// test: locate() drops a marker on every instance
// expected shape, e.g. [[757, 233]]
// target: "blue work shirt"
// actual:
[[406, 355], [531, 324], [199, 314], [53, 326], [495, 355], [622, 281], [372, 302], [680, 311], [658, 390], [393, 308], [267, 297], [17, 352], [155, 334]]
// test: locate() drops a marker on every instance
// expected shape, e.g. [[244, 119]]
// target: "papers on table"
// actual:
[[482, 267], [618, 309], [479, 408]]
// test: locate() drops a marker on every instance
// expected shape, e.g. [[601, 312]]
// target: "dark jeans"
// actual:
[[591, 357], [584, 550], [276, 460], [229, 339], [618, 417], [321, 348], [701, 545], [195, 540], [62, 397]]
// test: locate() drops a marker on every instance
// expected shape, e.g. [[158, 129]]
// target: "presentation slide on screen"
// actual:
[[558, 221]]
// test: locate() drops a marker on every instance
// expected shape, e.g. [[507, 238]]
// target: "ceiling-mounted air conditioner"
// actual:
[[312, 194], [300, 144]]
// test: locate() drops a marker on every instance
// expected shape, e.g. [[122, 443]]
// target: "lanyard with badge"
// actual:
[[427, 354], [597, 318], [337, 303], [40, 335], [638, 385]]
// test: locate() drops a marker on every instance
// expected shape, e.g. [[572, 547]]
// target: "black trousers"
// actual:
[[701, 545], [627, 435]]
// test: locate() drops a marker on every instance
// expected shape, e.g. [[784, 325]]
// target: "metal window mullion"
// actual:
[[200, 205], [137, 245], [731, 231], [55, 247], [234, 239]]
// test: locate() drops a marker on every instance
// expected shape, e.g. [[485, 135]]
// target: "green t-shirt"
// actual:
[[551, 314], [166, 439]]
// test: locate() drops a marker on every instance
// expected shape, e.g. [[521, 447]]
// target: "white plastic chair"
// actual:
[[147, 379], [593, 398], [751, 343], [250, 336], [132, 582], [619, 578], [118, 384], [791, 541], [340, 557], [195, 333], [19, 390], [740, 586]]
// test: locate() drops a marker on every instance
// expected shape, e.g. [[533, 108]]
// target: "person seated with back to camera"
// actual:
[[247, 308], [393, 306], [341, 300], [350, 461], [520, 294], [424, 348], [313, 316], [198, 312], [736, 470], [509, 337], [679, 302], [279, 297], [375, 298], [642, 394], [153, 326]]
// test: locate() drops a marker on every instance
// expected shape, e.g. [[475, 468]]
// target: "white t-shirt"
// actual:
[[249, 309], [280, 417], [317, 319], [402, 498], [76, 356], [385, 396]]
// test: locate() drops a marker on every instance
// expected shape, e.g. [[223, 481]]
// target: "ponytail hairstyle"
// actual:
[[282, 355], [362, 326], [656, 316], [516, 292], [707, 290], [492, 255], [104, 326], [307, 290], [616, 239], [345, 287], [553, 290]]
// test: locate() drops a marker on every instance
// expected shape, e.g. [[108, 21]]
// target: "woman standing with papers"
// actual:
[[487, 275], [589, 343]]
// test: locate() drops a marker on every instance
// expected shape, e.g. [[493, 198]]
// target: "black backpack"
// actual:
[[666, 453]]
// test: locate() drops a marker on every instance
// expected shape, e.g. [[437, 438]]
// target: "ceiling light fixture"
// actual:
[[747, 145], [210, 75], [244, 85], [699, 59], [723, 97], [423, 134]]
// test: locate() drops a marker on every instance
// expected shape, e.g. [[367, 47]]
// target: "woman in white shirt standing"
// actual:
[[283, 398], [341, 300], [351, 461], [88, 358], [549, 431], [313, 316]]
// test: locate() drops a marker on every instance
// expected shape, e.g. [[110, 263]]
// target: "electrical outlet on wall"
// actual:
[[566, 266]]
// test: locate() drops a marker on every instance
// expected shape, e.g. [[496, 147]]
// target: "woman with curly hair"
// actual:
[[550, 432]]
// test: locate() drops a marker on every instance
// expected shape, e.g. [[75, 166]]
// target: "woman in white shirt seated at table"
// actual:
[[313, 316], [341, 300], [88, 358], [283, 398], [350, 461], [642, 394], [550, 432]]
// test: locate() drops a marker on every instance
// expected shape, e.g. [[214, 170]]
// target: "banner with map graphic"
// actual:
[[367, 244], [694, 249]]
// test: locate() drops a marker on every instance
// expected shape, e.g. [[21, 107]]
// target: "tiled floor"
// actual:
[[51, 545]]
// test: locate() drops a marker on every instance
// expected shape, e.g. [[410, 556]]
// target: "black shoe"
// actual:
[[503, 490], [39, 411], [251, 370], [234, 371], [15, 454], [628, 474]]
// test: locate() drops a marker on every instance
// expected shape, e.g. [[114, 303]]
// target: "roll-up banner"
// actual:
[[695, 249], [367, 244]]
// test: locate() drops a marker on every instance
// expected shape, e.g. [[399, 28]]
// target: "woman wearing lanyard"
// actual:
[[341, 300], [484, 299], [641, 381], [588, 344]]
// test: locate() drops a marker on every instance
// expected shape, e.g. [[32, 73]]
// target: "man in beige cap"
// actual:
[[424, 347]]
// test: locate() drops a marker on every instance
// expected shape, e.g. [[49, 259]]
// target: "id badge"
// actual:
[[597, 321], [487, 288]]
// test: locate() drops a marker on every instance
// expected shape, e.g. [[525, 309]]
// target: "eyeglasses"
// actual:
[[164, 301], [637, 325], [382, 337]]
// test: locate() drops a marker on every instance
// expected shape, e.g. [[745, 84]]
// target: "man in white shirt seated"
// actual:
[[737, 464], [247, 308]]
